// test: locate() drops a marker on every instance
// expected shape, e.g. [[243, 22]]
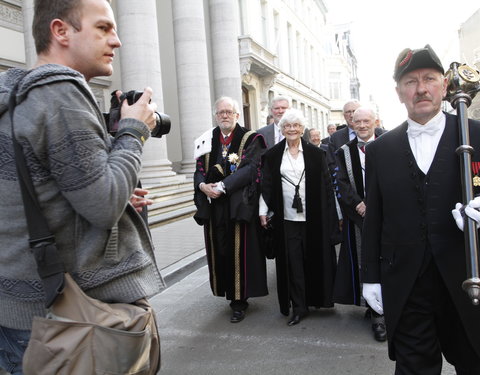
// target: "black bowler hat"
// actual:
[[409, 60]]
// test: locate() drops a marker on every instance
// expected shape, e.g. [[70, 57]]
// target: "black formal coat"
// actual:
[[237, 271], [339, 138], [347, 281], [268, 133], [321, 221], [405, 218]]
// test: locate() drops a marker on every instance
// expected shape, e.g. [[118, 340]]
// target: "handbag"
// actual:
[[80, 335], [267, 238]]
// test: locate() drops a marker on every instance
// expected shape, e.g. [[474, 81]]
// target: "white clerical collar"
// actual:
[[435, 124]]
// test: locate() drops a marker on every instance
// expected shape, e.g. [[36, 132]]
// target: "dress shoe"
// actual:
[[295, 319], [378, 328], [237, 316]]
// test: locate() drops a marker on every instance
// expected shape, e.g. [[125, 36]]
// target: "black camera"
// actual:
[[113, 117]]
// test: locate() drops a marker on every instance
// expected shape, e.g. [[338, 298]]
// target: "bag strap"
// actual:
[[42, 242]]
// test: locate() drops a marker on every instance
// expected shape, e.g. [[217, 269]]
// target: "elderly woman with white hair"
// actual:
[[296, 187]]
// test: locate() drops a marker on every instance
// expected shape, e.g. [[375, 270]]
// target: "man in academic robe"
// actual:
[[226, 182], [413, 254], [351, 196]]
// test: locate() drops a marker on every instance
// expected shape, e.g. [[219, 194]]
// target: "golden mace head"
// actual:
[[462, 78]]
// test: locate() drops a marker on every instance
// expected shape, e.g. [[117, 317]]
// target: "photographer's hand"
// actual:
[[143, 110], [138, 199]]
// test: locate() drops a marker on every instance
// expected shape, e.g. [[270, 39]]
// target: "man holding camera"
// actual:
[[83, 177], [226, 181]]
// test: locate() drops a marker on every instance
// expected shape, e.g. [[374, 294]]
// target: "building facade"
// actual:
[[469, 42], [191, 52]]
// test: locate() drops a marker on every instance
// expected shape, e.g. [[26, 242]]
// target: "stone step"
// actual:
[[172, 201], [170, 204], [171, 216]]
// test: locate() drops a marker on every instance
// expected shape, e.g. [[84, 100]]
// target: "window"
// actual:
[[335, 85]]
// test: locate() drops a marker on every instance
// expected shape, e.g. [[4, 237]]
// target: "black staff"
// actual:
[[463, 85]]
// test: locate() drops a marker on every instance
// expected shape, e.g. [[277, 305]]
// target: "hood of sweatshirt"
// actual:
[[39, 76]]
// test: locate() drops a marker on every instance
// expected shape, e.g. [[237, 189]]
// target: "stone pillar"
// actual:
[[30, 53], [224, 20], [140, 62], [192, 75]]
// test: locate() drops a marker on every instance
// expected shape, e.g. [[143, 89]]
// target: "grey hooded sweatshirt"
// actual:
[[83, 179]]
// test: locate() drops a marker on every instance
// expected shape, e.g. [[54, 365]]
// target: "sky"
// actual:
[[382, 28]]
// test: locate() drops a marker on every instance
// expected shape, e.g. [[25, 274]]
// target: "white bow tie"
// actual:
[[415, 131]]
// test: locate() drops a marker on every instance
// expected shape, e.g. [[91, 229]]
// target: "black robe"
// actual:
[[321, 222], [239, 270], [347, 283]]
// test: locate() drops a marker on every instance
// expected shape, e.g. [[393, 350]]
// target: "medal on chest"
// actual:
[[475, 170]]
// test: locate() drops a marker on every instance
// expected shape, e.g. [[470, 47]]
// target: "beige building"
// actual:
[[342, 72], [191, 52], [469, 41]]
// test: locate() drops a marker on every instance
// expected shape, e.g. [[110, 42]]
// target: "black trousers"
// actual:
[[295, 238], [430, 326]]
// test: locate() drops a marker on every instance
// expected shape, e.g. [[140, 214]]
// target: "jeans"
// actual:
[[13, 343]]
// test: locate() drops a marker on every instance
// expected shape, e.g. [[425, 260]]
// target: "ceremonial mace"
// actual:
[[463, 85]]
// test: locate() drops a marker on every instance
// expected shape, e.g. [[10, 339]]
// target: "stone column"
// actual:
[[224, 21], [140, 62], [195, 105], [30, 53]]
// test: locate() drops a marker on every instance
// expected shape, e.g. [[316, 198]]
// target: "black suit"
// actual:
[[339, 138], [409, 230]]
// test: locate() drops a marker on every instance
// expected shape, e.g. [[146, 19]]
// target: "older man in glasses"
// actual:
[[226, 182]]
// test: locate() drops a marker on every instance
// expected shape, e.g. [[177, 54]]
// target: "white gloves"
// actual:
[[471, 210], [373, 295], [220, 187]]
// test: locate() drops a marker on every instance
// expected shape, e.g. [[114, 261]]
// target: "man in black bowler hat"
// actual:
[[413, 258]]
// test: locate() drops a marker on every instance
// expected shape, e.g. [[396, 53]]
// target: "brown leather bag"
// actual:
[[82, 335]]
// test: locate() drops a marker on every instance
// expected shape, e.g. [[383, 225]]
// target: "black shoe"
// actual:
[[237, 316], [378, 328], [295, 319]]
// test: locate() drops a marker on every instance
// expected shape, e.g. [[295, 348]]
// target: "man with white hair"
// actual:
[[272, 132], [226, 182], [351, 196]]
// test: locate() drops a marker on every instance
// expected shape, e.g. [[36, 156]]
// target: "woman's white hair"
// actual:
[[292, 116]]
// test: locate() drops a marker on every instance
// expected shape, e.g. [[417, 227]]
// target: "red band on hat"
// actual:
[[406, 58]]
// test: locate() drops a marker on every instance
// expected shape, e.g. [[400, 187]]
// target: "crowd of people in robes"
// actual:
[[399, 254]]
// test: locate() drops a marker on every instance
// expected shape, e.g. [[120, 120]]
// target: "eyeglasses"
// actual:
[[291, 126], [228, 113]]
